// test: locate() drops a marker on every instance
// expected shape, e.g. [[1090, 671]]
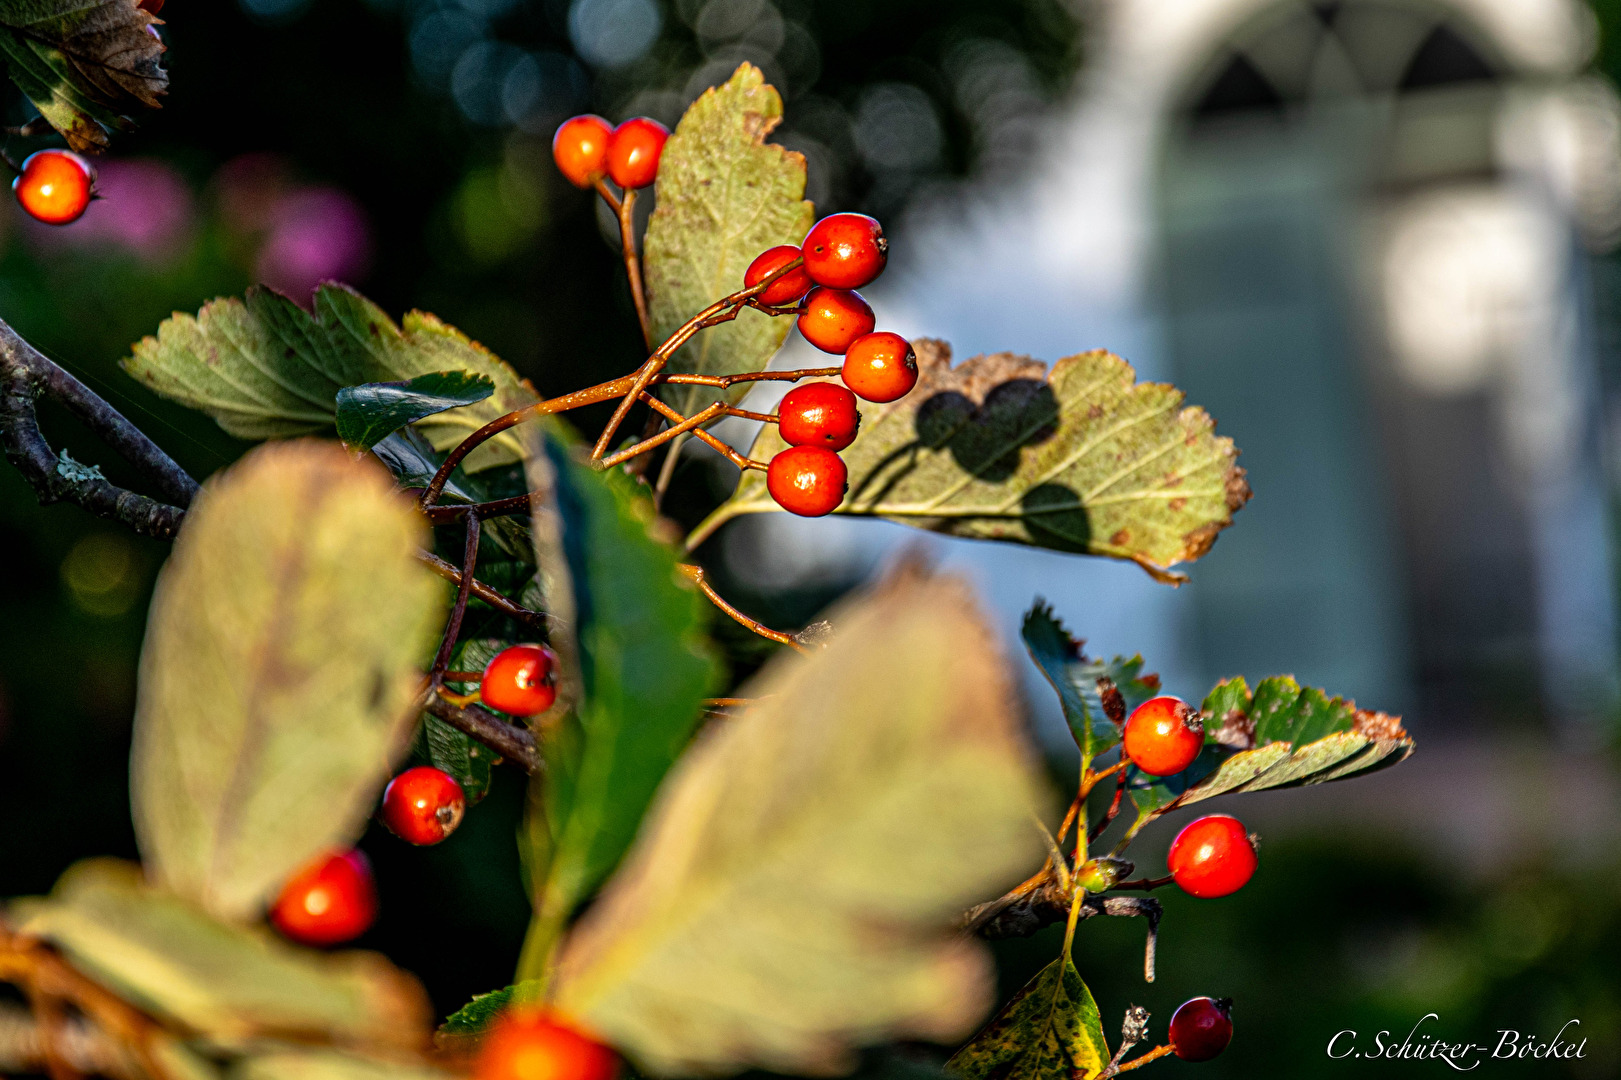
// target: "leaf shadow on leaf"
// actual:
[[1056, 518], [976, 435]]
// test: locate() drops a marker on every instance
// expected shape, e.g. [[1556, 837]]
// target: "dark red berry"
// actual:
[[423, 805], [807, 480], [150, 6], [834, 318], [1163, 735], [520, 680], [634, 151], [880, 367], [55, 186], [845, 251], [786, 289], [819, 414], [530, 1043], [1202, 1028], [1212, 856], [580, 149], [330, 901]]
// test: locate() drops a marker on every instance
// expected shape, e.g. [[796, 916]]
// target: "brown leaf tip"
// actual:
[[1380, 727]]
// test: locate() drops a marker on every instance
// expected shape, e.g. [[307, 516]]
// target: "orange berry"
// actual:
[[634, 150], [55, 186], [423, 805], [786, 289], [833, 318], [807, 480], [330, 901], [1163, 735], [529, 1043], [580, 149], [520, 680], [880, 367], [845, 251]]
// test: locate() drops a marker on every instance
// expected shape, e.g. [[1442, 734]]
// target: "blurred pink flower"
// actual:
[[313, 234], [145, 207]]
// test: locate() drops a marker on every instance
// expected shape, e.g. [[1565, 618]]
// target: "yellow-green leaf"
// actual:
[[796, 890], [265, 368], [83, 63], [230, 984], [297, 1063], [279, 671], [724, 196], [1080, 458], [1049, 1031]]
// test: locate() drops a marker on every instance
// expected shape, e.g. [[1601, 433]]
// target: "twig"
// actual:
[[516, 744], [448, 513], [1114, 806], [496, 600], [1153, 1055], [464, 589], [698, 419], [1144, 883], [696, 573], [672, 458], [715, 444], [60, 479], [1132, 1030]]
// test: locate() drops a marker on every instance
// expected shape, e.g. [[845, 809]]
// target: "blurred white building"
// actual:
[[1359, 234]]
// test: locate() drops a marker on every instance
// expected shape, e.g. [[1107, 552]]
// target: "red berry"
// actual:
[[634, 150], [423, 805], [786, 289], [1163, 735], [55, 186], [1212, 856], [807, 480], [520, 680], [845, 251], [152, 7], [880, 367], [529, 1043], [1202, 1028], [580, 149], [819, 414], [331, 900], [834, 318]]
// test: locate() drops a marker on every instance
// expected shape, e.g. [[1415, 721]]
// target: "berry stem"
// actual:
[[696, 573], [1152, 1055], [1143, 883], [719, 447], [1114, 804], [445, 515], [704, 416], [633, 262], [496, 600], [464, 590]]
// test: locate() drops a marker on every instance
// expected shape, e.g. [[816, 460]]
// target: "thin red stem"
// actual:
[[696, 573]]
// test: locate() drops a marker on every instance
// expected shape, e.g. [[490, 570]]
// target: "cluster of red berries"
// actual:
[[1215, 855], [55, 186], [334, 899], [586, 149], [841, 253]]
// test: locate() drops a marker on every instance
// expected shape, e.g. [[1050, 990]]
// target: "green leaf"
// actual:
[[724, 196], [469, 1021], [1049, 1031], [83, 63], [1081, 458], [1282, 735], [265, 368], [1066, 667], [368, 412], [646, 668], [796, 890], [281, 662], [450, 750], [230, 984]]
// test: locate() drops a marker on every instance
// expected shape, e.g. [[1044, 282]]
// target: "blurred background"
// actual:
[[1375, 238]]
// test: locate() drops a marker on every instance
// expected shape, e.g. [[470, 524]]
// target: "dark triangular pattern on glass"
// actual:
[[1239, 87]]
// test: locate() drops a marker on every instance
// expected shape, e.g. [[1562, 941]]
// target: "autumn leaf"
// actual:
[[265, 368], [281, 661], [85, 64], [233, 985], [795, 891], [724, 196], [1049, 1031], [1079, 458]]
